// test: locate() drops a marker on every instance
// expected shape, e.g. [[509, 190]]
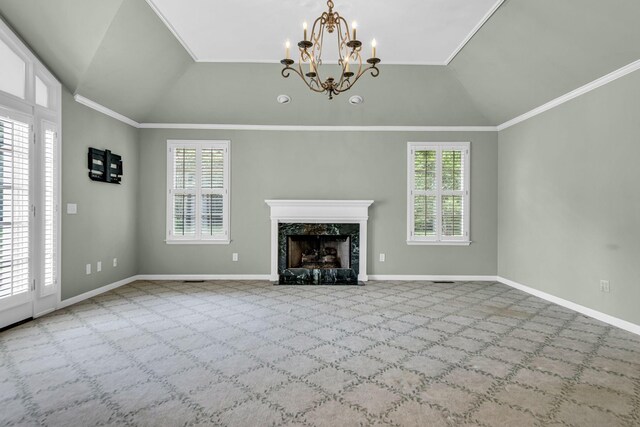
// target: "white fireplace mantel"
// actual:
[[319, 211]]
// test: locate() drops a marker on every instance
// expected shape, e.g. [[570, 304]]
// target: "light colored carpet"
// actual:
[[253, 354]]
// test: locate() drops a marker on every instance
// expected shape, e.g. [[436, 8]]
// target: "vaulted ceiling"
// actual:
[[119, 53]]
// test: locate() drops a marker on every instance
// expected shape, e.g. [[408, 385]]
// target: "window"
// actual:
[[14, 207], [14, 72], [198, 192], [438, 196], [42, 93]]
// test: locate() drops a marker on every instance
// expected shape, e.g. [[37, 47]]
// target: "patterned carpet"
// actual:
[[253, 354]]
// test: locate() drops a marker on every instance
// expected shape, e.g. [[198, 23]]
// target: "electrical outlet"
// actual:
[[88, 268], [234, 257], [115, 262], [605, 286], [99, 266], [383, 257]]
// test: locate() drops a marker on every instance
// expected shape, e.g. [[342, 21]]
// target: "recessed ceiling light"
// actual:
[[356, 100], [283, 99]]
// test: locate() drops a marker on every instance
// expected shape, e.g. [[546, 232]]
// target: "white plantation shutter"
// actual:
[[50, 210], [438, 200], [425, 193], [452, 198], [198, 191], [14, 207], [213, 192], [184, 192]]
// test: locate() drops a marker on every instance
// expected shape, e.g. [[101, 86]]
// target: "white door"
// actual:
[[16, 213]]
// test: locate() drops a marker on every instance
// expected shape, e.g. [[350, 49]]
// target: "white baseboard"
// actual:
[[95, 292], [432, 278], [614, 321], [203, 277]]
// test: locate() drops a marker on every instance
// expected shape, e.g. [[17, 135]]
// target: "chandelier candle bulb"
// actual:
[[304, 27], [354, 25], [373, 47], [287, 47]]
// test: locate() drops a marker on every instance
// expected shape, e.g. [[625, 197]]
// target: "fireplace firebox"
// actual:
[[318, 253]]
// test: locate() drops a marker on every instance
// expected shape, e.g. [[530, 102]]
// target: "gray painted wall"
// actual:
[[569, 204], [317, 165], [408, 95], [105, 226]]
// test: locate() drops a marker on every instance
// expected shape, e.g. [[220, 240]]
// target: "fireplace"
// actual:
[[318, 242]]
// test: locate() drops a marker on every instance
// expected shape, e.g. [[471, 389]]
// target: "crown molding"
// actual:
[[627, 69], [104, 110], [473, 32], [305, 128]]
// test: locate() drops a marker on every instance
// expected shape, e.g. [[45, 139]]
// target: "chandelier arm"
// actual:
[[317, 48], [288, 71], [346, 36], [341, 62], [318, 22], [374, 72]]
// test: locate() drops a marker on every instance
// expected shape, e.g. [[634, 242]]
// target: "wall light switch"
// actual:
[[383, 257], [605, 286], [72, 208], [234, 257], [99, 266], [88, 268], [115, 262]]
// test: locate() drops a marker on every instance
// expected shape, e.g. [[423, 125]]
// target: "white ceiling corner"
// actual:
[[425, 32]]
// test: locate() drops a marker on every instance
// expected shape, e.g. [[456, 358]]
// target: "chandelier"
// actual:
[[309, 66]]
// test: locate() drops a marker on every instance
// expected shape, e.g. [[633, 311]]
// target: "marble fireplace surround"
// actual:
[[319, 212]]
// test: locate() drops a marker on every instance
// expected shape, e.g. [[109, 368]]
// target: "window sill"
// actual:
[[426, 243], [197, 242]]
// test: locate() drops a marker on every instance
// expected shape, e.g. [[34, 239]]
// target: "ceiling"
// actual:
[[120, 54], [407, 31]]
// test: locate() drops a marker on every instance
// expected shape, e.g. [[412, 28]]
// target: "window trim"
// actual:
[[171, 239], [438, 240]]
